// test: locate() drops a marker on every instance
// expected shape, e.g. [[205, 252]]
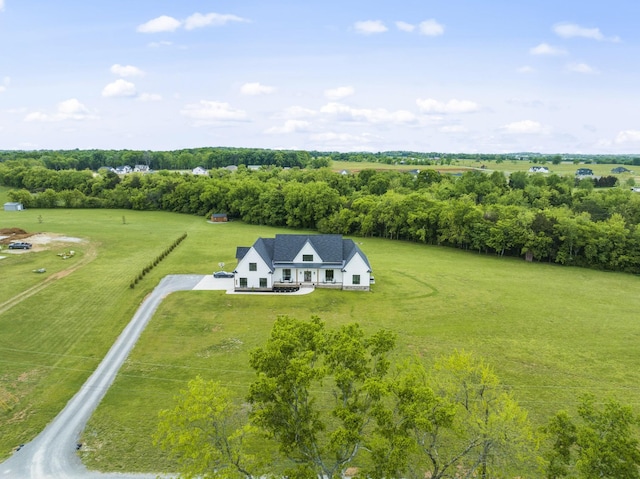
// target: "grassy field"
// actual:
[[507, 167], [550, 332]]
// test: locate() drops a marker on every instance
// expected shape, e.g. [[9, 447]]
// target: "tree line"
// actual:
[[544, 217], [324, 401]]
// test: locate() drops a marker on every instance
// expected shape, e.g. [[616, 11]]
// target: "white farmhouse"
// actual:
[[287, 262]]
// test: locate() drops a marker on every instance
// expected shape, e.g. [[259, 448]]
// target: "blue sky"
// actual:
[[457, 76]]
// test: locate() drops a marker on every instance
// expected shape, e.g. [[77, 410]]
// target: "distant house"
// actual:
[[635, 189], [584, 172], [620, 169], [290, 261], [123, 170], [199, 170], [231, 168], [253, 167], [219, 218], [141, 168], [538, 169], [13, 206], [344, 172]]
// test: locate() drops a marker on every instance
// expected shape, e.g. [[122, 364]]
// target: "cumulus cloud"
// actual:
[[198, 20], [571, 30], [1, 5], [126, 70], [256, 88], [430, 105], [580, 68], [70, 109], [546, 49], [339, 93], [405, 27], [526, 69], [370, 27], [628, 136], [524, 126], [207, 111], [163, 23], [296, 112], [119, 88], [379, 115], [5, 83], [290, 126], [431, 28]]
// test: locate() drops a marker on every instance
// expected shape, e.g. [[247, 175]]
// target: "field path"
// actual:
[[89, 256], [52, 454]]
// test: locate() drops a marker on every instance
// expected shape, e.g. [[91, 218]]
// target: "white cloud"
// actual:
[[430, 105], [379, 115], [70, 109], [198, 20], [405, 27], [524, 126], [119, 88], [580, 68], [149, 97], [571, 30], [256, 89], [296, 112], [126, 70], [431, 28], [628, 136], [339, 93], [1, 5], [526, 69], [163, 23], [340, 137], [546, 49], [290, 126], [5, 84], [369, 27], [3, 88], [453, 129], [207, 111]]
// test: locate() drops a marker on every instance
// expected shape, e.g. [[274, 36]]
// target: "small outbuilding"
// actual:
[[219, 218], [13, 206]]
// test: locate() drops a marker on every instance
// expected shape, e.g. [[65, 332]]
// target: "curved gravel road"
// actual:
[[52, 454]]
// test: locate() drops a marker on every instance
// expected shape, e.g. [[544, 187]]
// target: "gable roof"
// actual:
[[282, 250]]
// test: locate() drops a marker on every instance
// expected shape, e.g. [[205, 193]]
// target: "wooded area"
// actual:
[[545, 217]]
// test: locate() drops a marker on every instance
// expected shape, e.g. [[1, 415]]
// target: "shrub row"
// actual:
[[155, 262]]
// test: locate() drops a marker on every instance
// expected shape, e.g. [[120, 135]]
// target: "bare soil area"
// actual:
[[40, 241]]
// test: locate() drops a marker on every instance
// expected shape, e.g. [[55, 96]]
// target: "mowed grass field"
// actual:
[[550, 332], [565, 168]]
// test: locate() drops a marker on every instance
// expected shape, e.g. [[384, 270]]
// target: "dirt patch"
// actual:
[[40, 241]]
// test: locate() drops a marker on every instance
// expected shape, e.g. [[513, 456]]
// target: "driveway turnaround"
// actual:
[[52, 454]]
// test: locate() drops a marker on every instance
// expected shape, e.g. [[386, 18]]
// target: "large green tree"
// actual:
[[316, 391], [600, 443]]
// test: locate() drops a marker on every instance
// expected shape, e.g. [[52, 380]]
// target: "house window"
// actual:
[[243, 282], [263, 282], [286, 275], [253, 266], [307, 257], [328, 276], [356, 279]]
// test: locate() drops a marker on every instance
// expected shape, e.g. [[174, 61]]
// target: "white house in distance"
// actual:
[[287, 262]]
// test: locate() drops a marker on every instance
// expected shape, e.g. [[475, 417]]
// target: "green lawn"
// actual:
[[550, 332], [507, 167]]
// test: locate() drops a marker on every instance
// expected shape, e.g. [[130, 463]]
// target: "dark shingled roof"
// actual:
[[282, 250]]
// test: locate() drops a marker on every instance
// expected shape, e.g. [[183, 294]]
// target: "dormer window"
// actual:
[[307, 257]]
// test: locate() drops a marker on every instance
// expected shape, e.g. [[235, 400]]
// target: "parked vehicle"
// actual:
[[222, 274], [20, 245]]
